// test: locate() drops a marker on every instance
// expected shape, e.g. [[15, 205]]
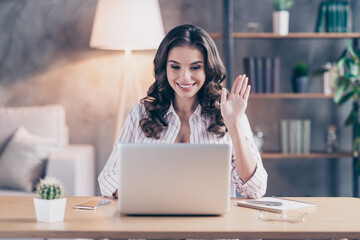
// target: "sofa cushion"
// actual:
[[10, 192], [47, 121], [23, 159]]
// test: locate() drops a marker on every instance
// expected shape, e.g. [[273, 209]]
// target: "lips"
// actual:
[[186, 86]]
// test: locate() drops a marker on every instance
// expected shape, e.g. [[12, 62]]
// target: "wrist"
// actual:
[[233, 126]]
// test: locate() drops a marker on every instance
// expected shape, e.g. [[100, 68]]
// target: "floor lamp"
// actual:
[[127, 25]]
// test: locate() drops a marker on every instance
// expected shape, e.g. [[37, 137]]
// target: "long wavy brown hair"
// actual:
[[160, 93]]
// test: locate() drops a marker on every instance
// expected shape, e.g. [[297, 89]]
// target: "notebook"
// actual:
[[179, 179], [92, 204], [277, 205]]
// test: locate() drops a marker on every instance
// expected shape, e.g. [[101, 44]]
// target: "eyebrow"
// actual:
[[197, 62]]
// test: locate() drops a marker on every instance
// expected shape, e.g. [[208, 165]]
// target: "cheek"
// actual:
[[200, 75], [170, 74]]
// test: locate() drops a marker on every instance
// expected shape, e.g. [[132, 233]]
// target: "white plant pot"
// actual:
[[50, 210], [281, 22]]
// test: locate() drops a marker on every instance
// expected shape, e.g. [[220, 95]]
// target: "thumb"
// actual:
[[223, 95]]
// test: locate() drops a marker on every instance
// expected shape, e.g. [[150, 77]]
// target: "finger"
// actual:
[[236, 83], [247, 92], [240, 85], [223, 95], [244, 86]]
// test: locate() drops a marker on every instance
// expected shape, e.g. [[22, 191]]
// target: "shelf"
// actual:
[[307, 156], [269, 35], [289, 95]]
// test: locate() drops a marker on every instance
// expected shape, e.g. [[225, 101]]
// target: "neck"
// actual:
[[185, 107]]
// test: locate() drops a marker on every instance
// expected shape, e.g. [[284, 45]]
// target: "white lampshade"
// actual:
[[127, 25]]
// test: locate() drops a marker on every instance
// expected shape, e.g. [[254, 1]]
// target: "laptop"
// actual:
[[174, 179]]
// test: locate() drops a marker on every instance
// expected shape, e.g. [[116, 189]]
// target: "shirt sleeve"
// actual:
[[109, 176], [256, 186]]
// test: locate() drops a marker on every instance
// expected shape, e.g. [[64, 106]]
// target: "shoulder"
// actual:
[[138, 111]]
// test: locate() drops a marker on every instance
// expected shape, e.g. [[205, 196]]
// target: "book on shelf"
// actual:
[[284, 136], [275, 63], [267, 74], [320, 24], [259, 75], [306, 136], [329, 17], [292, 136], [263, 73], [299, 136], [346, 9], [333, 16], [295, 136], [249, 66]]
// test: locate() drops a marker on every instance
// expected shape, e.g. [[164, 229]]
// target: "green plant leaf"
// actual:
[[351, 119], [319, 72], [348, 75], [300, 69], [358, 53], [357, 165], [358, 131], [346, 97], [349, 62], [289, 3], [356, 144], [351, 50], [341, 60], [281, 5], [337, 95], [355, 148], [342, 85], [345, 83]]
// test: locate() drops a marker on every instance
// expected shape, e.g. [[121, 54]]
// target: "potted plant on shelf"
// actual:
[[300, 78], [50, 207], [281, 16]]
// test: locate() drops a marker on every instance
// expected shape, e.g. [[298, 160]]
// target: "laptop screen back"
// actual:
[[174, 179]]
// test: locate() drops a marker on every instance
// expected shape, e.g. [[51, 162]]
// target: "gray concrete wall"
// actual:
[[45, 58]]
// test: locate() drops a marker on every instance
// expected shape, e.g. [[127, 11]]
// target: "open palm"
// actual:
[[233, 106]]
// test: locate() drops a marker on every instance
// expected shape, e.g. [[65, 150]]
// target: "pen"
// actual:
[[266, 203]]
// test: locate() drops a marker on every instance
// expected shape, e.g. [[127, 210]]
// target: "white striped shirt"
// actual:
[[132, 133]]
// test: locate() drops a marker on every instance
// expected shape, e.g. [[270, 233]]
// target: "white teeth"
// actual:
[[186, 86]]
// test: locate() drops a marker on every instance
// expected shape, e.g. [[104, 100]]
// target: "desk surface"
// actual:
[[333, 218]]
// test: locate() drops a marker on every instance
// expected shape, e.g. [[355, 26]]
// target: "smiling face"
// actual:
[[185, 72]]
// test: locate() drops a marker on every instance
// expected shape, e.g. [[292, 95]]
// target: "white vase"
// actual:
[[50, 210], [281, 22]]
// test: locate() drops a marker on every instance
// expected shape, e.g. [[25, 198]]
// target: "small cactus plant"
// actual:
[[49, 188]]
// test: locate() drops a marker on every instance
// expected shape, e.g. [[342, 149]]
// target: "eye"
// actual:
[[174, 66], [196, 67]]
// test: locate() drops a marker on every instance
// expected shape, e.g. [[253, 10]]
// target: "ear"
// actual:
[[223, 95]]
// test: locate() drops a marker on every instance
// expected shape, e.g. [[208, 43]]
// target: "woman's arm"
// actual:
[[109, 177], [248, 161]]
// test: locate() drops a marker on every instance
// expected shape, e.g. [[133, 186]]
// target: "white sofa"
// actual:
[[73, 164]]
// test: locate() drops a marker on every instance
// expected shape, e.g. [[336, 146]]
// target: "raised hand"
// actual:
[[233, 106]]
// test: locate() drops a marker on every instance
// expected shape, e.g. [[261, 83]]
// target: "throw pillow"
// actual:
[[23, 159]]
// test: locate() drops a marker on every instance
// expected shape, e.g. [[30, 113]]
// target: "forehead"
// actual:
[[185, 54]]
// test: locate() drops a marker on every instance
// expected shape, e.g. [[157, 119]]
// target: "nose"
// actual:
[[186, 75]]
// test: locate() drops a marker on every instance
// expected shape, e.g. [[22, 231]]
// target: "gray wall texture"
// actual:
[[45, 58]]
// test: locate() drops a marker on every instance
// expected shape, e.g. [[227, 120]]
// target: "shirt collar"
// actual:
[[197, 112]]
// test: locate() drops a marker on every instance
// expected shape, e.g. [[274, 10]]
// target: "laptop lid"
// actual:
[[184, 179]]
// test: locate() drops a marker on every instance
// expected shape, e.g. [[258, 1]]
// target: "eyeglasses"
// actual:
[[291, 216]]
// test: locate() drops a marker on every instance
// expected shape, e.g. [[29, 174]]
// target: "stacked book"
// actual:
[[333, 16], [263, 73], [295, 136]]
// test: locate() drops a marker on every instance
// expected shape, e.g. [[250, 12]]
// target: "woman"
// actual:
[[187, 104]]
